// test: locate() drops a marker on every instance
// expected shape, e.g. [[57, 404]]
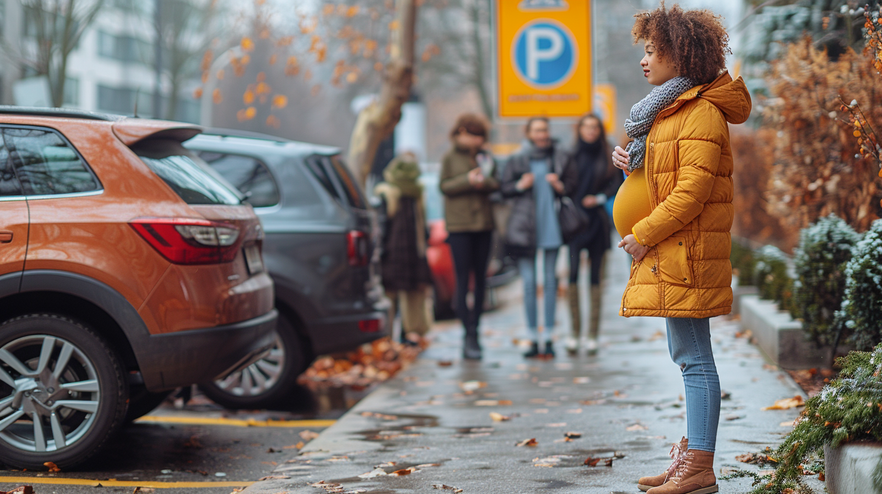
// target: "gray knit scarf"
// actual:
[[643, 115]]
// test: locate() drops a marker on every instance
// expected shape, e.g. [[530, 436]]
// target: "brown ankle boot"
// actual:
[[695, 476], [678, 450]]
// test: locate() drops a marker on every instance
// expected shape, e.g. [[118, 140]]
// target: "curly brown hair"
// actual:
[[695, 40]]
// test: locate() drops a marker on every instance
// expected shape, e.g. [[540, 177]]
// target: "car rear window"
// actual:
[[248, 174], [332, 173], [190, 177]]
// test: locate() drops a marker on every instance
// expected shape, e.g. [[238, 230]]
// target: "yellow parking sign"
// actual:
[[543, 57]]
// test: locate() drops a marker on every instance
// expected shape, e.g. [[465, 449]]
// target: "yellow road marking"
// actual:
[[235, 422], [121, 483]]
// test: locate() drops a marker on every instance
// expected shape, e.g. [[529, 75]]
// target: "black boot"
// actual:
[[549, 349], [471, 348], [534, 351]]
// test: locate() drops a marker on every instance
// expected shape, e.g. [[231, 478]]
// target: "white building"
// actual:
[[110, 70]]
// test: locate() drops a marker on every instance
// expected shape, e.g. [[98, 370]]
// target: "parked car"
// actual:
[[319, 250], [127, 269], [500, 269]]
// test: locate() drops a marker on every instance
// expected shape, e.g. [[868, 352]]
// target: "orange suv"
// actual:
[[127, 268]]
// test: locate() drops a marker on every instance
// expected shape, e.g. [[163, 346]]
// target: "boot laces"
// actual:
[[679, 457], [682, 468]]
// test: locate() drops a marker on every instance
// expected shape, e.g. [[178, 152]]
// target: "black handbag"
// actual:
[[571, 218]]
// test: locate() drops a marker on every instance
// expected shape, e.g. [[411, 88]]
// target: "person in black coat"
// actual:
[[598, 182]]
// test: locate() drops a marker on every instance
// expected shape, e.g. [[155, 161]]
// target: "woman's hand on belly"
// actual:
[[631, 246]]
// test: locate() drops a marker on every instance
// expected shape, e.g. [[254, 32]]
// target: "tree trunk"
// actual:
[[377, 121]]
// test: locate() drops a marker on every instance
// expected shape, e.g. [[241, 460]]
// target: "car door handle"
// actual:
[[5, 237]]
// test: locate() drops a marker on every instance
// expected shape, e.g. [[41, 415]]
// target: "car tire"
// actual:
[[61, 373], [268, 381], [142, 402]]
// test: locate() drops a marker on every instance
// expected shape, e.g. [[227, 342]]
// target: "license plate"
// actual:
[[253, 259]]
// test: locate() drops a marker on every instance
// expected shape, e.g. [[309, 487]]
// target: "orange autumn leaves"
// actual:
[[355, 39]]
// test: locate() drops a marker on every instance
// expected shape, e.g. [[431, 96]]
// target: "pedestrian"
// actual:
[[405, 271], [535, 180], [468, 177], [598, 182], [675, 212]]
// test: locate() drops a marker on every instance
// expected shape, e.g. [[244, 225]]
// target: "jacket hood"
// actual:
[[731, 97]]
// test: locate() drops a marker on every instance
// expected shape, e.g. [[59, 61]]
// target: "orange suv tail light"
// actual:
[[189, 241], [358, 248]]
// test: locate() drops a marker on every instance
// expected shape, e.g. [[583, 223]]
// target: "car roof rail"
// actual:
[[214, 131], [58, 112]]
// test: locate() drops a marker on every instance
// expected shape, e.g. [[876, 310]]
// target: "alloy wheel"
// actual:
[[49, 393], [259, 377]]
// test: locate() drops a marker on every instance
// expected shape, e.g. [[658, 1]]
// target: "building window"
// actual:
[[124, 48], [71, 91], [122, 100]]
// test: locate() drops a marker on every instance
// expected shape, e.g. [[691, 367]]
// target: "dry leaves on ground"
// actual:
[[498, 417], [787, 403], [470, 387], [447, 488], [606, 461], [760, 459], [308, 435], [528, 442], [371, 363], [53, 468], [22, 489]]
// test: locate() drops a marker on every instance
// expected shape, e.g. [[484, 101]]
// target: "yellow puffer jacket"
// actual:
[[688, 163]]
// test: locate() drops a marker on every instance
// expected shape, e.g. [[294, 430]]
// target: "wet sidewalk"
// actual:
[[449, 423]]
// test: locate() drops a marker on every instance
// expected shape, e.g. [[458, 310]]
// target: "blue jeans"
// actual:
[[689, 343], [527, 268]]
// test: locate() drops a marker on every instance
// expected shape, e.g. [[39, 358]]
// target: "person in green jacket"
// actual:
[[467, 180]]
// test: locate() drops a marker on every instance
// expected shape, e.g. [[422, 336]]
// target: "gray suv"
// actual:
[[319, 250]]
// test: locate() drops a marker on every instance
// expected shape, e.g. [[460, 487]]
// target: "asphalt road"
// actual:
[[198, 448]]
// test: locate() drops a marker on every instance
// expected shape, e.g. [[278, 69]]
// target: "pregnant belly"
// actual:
[[632, 202]]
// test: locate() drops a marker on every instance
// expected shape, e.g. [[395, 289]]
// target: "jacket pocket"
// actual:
[[674, 263]]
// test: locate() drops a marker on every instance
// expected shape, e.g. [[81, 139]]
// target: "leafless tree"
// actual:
[[53, 29]]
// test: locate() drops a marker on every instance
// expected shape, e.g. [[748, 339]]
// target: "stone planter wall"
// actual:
[[779, 336], [850, 468]]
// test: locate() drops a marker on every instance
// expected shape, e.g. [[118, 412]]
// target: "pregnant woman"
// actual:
[[674, 212]]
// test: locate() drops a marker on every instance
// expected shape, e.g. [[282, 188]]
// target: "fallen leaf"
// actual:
[[447, 488], [377, 472], [581, 380], [498, 417], [787, 403], [308, 435], [573, 435], [528, 442], [403, 472], [51, 466], [592, 402], [274, 477], [787, 424], [636, 427], [444, 363], [470, 387], [592, 462], [492, 403]]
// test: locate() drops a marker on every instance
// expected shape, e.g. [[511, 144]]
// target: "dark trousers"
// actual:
[[471, 253], [595, 255]]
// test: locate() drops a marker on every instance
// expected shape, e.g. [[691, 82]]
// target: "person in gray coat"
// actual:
[[534, 181]]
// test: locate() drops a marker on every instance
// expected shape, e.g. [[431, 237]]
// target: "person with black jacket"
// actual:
[[598, 182], [534, 181]]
